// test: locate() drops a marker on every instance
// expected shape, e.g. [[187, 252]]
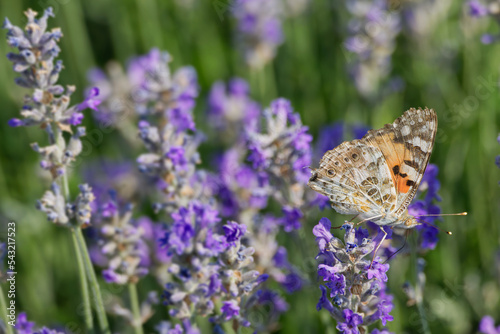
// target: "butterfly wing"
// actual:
[[356, 178], [406, 146]]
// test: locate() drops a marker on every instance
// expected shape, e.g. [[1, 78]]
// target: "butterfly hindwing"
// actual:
[[356, 179]]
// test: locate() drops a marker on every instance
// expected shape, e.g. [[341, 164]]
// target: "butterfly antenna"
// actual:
[[404, 244], [444, 214], [432, 225]]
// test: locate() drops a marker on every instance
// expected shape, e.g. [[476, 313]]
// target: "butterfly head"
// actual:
[[409, 222], [318, 180]]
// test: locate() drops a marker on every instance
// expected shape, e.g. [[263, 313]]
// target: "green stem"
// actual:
[[134, 301], [3, 308], [94, 285], [87, 310], [419, 294]]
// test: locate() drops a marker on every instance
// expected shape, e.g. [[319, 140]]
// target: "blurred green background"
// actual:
[[444, 69]]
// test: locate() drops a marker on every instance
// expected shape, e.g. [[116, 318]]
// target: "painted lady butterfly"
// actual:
[[377, 177]]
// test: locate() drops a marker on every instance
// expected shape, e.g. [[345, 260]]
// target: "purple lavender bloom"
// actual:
[[48, 105], [378, 271], [156, 90], [352, 321], [234, 231], [371, 49], [477, 9], [293, 282], [239, 187], [279, 305], [15, 122], [430, 186], [291, 218], [324, 302], [345, 272], [121, 242], [91, 101], [487, 326], [231, 109], [259, 28], [337, 285], [177, 155], [23, 326], [329, 137], [282, 149], [229, 310]]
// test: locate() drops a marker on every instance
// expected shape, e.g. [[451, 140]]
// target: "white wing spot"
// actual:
[[405, 130]]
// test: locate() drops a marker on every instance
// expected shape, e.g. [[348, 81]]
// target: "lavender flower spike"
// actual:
[[373, 30], [487, 326], [259, 28], [283, 150], [353, 292]]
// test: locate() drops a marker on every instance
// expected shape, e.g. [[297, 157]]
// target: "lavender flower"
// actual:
[[259, 29], [357, 295], [478, 10], [206, 264], [231, 109], [239, 187], [430, 185], [282, 149], [48, 107], [372, 36], [23, 326], [157, 91], [121, 243], [487, 326], [115, 94], [171, 161]]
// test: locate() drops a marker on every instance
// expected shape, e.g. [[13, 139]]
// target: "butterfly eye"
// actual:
[[331, 172]]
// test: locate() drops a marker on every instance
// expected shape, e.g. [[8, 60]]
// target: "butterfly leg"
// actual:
[[365, 220], [378, 246], [337, 227]]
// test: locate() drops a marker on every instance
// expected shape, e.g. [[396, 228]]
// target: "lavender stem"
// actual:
[[3, 307], [94, 285], [87, 310], [134, 302]]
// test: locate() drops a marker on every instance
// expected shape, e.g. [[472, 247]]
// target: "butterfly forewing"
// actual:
[[407, 146]]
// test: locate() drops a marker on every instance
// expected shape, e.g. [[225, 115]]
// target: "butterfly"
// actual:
[[377, 177]]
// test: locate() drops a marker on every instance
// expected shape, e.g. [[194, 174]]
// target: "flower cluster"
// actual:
[[244, 188], [171, 137], [487, 326], [430, 185], [171, 160], [121, 244], [373, 29], [283, 150], [477, 10], [207, 264], [354, 291], [23, 326], [259, 28], [48, 106], [231, 110], [115, 94]]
